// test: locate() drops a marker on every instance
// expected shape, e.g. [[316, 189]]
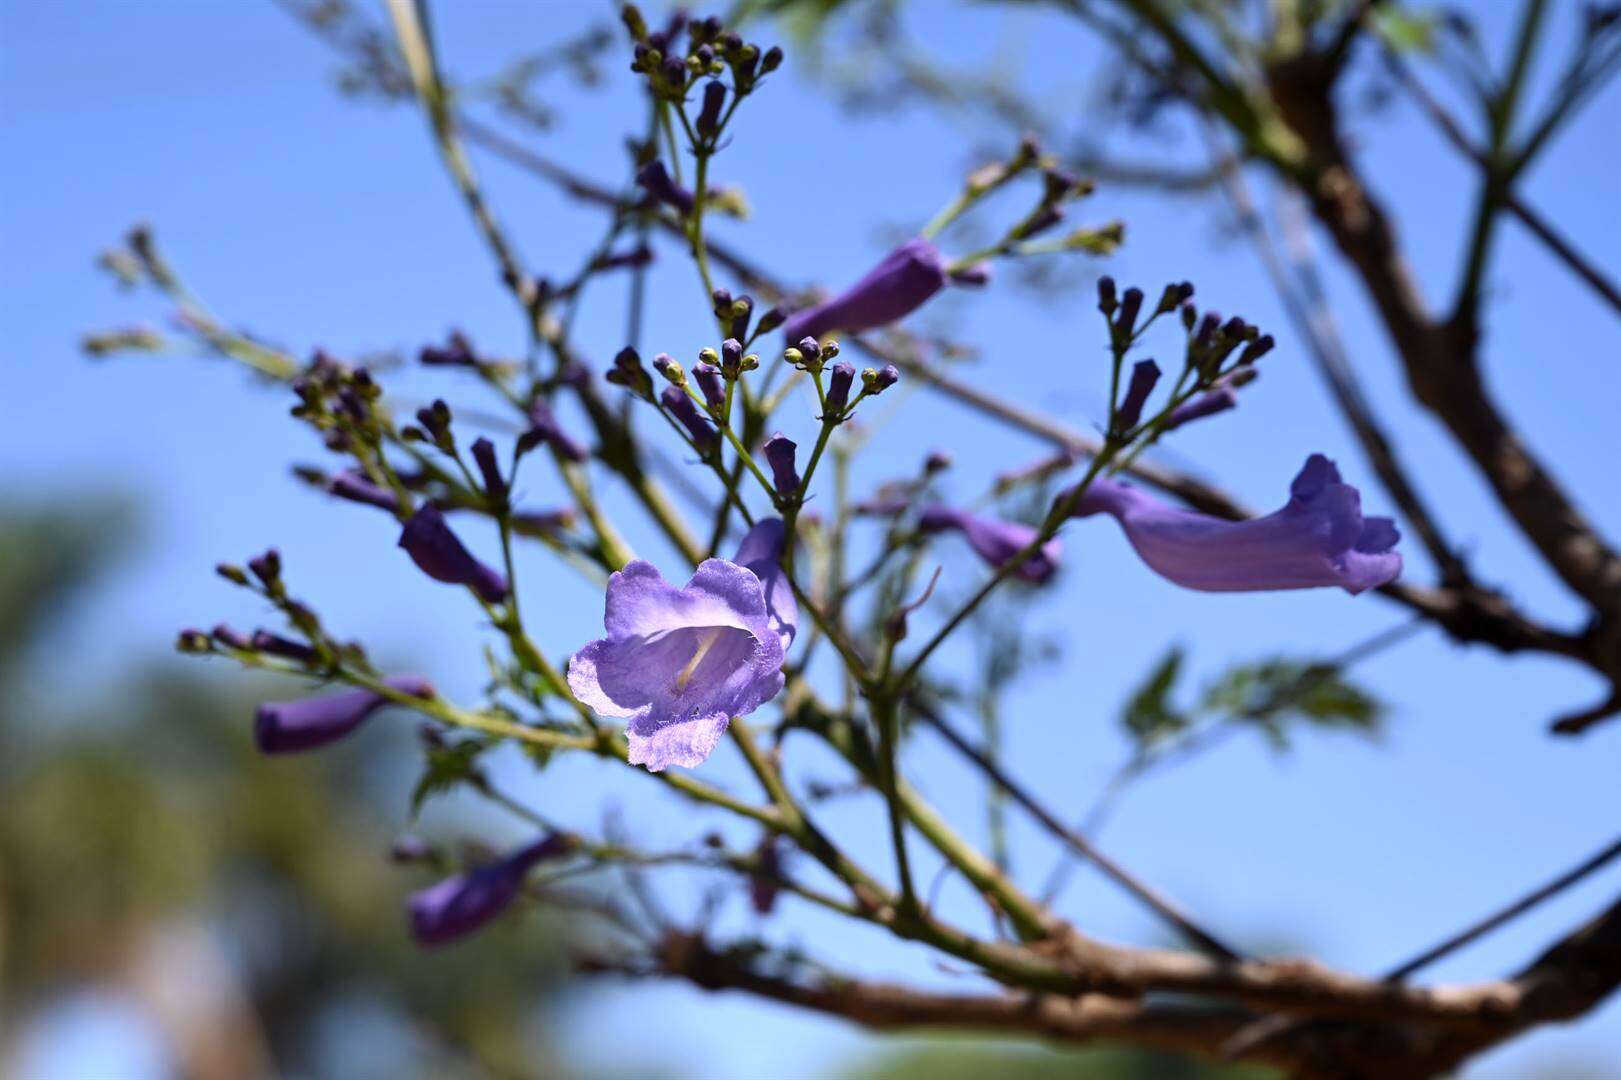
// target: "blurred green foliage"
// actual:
[[148, 810]]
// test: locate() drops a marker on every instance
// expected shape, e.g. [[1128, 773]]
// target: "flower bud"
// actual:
[[703, 436], [708, 123], [731, 357], [267, 567], [1107, 301], [773, 318], [838, 386], [462, 904], [355, 486], [276, 645], [1256, 349], [1144, 374], [779, 453], [771, 61], [289, 727], [484, 455], [438, 552], [708, 378]]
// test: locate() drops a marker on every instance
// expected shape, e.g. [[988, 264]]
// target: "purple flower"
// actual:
[[439, 554], [760, 550], [484, 455], [276, 645], [657, 181], [356, 486], [1216, 400], [899, 285], [680, 663], [460, 905], [1144, 374], [996, 541], [682, 407], [707, 376], [779, 454], [544, 428], [289, 727], [838, 386], [1319, 537]]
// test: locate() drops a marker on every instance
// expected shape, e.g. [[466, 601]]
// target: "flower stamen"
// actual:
[[705, 643]]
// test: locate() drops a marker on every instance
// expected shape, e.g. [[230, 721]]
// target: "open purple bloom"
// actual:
[[1319, 537], [460, 905], [899, 285], [680, 663], [439, 554], [996, 541], [289, 727]]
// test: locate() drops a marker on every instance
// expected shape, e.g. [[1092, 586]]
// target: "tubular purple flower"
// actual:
[[291, 727], [707, 376], [1144, 374], [657, 181], [544, 428], [899, 285], [678, 664], [1318, 538], [760, 551], [276, 645], [356, 486], [779, 454], [682, 407], [489, 468], [838, 385], [227, 636], [460, 905], [708, 121], [996, 541], [439, 554], [1210, 403]]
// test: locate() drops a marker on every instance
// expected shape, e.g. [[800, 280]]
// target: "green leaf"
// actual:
[[1149, 715], [448, 767], [1406, 31], [1276, 693]]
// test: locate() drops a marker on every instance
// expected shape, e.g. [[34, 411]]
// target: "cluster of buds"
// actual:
[[340, 402], [1211, 341], [711, 52], [734, 315]]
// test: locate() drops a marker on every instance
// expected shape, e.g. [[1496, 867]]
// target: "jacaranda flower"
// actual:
[[996, 541], [899, 285], [1319, 537], [779, 454], [760, 550], [288, 727], [356, 486], [459, 905], [685, 410], [680, 663], [1144, 374], [439, 554], [544, 428]]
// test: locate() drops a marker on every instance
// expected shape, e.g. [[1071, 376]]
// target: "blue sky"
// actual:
[[318, 221]]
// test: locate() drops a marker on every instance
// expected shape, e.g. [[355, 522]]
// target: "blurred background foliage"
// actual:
[[246, 904]]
